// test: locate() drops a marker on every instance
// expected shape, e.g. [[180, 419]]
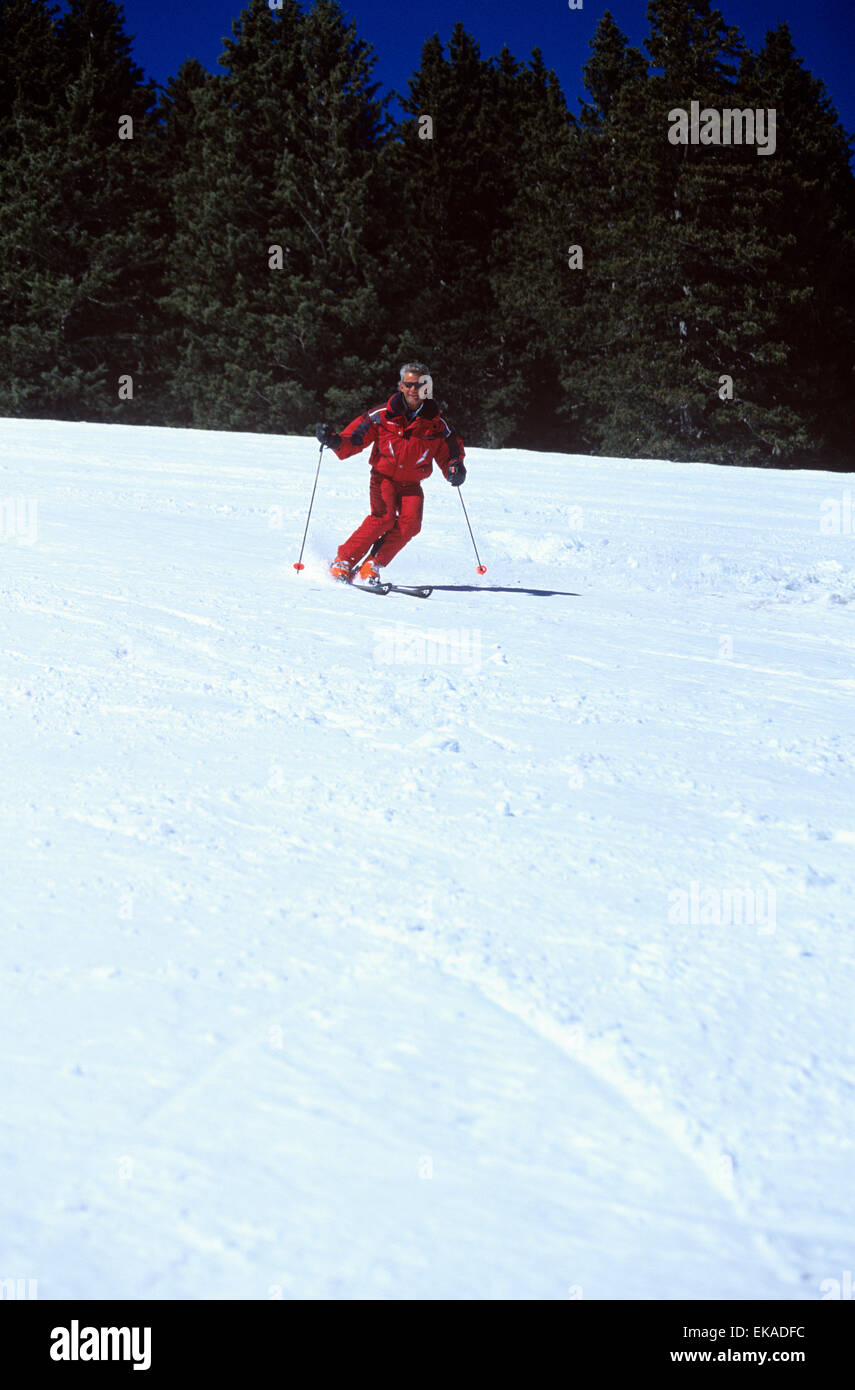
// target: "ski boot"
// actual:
[[369, 572]]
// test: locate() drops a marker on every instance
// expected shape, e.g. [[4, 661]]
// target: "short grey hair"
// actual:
[[414, 367]]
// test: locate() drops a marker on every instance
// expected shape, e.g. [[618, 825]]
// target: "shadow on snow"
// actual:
[[500, 589]]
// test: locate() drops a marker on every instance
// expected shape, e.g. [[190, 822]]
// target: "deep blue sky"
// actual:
[[166, 32]]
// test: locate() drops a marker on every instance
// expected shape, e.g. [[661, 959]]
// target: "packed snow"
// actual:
[[490, 946]]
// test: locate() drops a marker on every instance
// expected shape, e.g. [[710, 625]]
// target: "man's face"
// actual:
[[410, 383]]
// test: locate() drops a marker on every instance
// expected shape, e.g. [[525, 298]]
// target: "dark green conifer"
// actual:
[[79, 242], [282, 165]]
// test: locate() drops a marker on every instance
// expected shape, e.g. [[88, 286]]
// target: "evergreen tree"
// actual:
[[453, 198], [655, 215], [265, 249], [177, 117], [702, 270], [31, 83], [712, 239], [537, 283], [79, 243], [614, 205], [176, 130], [93, 41], [31, 70], [284, 155], [806, 193]]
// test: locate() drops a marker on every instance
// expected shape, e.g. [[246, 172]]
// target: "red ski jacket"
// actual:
[[405, 452]]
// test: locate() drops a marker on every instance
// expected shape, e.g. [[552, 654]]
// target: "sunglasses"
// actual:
[[411, 385]]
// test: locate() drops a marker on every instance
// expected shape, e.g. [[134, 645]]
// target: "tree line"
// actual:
[[260, 248]]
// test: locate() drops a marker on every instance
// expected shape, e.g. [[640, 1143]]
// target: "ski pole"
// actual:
[[482, 569], [298, 564]]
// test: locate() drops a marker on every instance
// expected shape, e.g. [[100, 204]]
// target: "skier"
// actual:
[[408, 434]]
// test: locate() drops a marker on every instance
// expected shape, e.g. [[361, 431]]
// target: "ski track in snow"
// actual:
[[346, 951]]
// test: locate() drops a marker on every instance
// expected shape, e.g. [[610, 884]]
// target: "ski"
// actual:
[[370, 588], [415, 591]]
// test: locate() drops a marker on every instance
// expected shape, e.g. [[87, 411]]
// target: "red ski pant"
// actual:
[[395, 517]]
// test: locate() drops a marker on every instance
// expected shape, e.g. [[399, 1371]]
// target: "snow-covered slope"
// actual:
[[498, 945]]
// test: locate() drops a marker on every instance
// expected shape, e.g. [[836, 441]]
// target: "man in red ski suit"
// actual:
[[408, 435]]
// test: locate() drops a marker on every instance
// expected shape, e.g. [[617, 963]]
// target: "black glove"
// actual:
[[325, 434], [456, 474]]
